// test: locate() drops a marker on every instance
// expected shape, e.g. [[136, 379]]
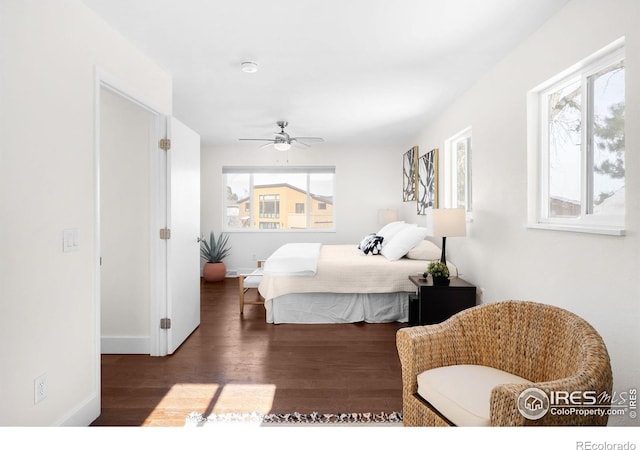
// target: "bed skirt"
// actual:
[[338, 308]]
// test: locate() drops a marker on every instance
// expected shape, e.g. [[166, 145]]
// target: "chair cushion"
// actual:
[[462, 393], [253, 282]]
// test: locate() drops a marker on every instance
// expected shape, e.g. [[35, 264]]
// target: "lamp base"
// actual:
[[443, 258]]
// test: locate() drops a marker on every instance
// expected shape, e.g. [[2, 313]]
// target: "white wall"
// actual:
[[594, 276], [367, 179], [49, 319], [125, 132]]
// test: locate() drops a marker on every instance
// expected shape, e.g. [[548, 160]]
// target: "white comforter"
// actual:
[[344, 269]]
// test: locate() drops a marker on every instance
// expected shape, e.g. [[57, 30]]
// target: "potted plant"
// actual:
[[439, 272], [213, 252]]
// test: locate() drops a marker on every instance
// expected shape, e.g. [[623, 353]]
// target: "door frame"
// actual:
[[157, 214]]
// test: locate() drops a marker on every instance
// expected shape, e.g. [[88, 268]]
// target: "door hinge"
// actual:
[[165, 323], [165, 233], [164, 144]]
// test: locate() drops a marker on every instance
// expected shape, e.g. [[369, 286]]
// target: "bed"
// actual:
[[316, 283]]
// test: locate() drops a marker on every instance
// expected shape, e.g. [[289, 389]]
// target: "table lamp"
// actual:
[[446, 222]]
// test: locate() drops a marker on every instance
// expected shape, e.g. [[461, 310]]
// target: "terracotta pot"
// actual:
[[213, 272]]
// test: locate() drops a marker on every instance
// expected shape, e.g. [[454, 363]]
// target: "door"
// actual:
[[183, 247]]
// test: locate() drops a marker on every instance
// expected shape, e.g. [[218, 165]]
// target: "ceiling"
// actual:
[[370, 72]]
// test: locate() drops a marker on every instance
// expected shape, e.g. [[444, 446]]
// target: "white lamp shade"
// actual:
[[282, 146], [386, 216], [446, 222]]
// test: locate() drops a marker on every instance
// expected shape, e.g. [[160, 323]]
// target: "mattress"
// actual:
[[345, 269]]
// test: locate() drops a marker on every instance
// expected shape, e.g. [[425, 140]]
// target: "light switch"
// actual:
[[70, 240]]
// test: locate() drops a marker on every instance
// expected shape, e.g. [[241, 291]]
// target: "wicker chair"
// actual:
[[554, 348]]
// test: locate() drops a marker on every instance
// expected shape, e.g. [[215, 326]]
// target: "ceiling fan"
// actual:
[[283, 141]]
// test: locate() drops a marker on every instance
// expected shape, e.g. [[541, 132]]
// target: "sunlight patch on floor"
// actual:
[[191, 395], [220, 399], [256, 398]]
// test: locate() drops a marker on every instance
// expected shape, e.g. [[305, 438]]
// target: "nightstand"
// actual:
[[434, 304]]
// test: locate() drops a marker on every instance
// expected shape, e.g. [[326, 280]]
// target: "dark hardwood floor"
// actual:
[[234, 363]]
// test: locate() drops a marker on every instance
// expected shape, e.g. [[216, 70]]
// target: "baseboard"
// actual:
[[125, 345], [84, 414]]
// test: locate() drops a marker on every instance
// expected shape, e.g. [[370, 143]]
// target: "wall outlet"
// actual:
[[40, 388]]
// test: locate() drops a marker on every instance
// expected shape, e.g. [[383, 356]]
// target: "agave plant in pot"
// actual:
[[213, 252], [439, 272]]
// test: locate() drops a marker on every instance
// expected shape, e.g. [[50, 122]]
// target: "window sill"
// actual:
[[592, 229]]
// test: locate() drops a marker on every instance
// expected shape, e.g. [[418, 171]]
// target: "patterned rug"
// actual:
[[294, 419]]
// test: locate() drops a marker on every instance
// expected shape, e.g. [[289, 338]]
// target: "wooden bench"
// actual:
[[250, 281]]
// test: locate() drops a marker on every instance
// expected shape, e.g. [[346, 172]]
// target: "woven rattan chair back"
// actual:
[[552, 347]]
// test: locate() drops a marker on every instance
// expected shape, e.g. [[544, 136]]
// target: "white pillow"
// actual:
[[390, 226], [404, 241], [391, 229], [425, 250]]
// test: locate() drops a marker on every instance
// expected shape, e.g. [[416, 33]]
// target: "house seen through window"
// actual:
[[278, 198]]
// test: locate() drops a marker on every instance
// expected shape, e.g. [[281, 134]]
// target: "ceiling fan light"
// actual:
[[282, 146], [249, 67]]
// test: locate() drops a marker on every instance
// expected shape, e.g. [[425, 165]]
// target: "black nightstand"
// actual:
[[434, 304]]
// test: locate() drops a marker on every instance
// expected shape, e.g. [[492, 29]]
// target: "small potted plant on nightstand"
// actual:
[[439, 272], [213, 252]]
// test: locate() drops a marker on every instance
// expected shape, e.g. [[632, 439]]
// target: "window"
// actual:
[[457, 167], [270, 206], [278, 198], [269, 225], [577, 147]]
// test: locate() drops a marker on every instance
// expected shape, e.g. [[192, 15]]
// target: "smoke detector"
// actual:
[[249, 67]]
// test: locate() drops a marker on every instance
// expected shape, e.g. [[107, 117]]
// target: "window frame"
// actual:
[[253, 170], [450, 171], [538, 150]]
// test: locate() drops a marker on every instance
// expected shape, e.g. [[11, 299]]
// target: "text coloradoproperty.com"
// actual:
[[584, 411]]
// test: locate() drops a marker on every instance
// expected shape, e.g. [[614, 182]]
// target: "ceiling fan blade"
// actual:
[[266, 140], [306, 138], [266, 145], [299, 144]]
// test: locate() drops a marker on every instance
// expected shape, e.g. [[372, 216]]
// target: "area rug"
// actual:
[[296, 419]]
